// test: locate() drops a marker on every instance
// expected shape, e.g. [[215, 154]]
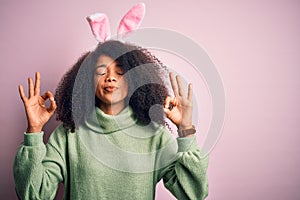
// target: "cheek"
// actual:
[[124, 87], [97, 84], [97, 81]]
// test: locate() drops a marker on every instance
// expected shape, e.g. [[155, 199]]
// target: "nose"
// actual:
[[110, 79]]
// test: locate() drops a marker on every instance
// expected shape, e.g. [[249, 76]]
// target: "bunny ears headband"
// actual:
[[131, 21]]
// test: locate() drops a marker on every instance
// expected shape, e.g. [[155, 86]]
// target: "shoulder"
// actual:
[[58, 137]]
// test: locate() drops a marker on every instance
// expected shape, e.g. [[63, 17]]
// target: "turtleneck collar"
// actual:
[[104, 123]]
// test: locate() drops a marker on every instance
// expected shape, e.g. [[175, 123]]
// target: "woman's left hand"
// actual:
[[179, 109]]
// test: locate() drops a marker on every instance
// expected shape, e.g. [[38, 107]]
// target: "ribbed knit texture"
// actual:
[[111, 158]]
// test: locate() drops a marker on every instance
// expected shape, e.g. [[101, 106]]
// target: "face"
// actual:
[[111, 87]]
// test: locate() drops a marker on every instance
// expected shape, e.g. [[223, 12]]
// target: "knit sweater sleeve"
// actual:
[[38, 168], [186, 177]]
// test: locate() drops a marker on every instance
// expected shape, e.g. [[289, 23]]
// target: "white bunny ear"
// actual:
[[132, 19], [100, 26]]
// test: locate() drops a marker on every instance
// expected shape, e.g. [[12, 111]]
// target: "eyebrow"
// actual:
[[103, 65]]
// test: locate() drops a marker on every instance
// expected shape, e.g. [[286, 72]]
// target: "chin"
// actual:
[[112, 101]]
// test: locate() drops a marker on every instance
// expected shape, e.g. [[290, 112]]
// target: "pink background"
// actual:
[[254, 44]]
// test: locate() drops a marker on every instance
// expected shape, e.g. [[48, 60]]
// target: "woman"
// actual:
[[112, 143]]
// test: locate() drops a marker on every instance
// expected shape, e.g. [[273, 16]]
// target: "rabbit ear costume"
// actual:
[[131, 21]]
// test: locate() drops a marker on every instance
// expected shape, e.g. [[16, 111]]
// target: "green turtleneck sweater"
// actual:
[[110, 157]]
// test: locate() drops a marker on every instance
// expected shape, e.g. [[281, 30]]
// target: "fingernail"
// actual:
[[51, 98]]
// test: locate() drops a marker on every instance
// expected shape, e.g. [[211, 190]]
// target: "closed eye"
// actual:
[[101, 70], [100, 74], [119, 70]]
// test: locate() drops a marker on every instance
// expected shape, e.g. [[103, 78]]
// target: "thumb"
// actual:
[[167, 112], [53, 106]]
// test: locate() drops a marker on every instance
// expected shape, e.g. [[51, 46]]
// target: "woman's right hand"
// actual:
[[36, 111]]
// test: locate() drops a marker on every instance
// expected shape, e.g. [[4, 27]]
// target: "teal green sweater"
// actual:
[[112, 157]]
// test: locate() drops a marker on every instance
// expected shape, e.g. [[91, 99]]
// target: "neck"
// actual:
[[111, 109]]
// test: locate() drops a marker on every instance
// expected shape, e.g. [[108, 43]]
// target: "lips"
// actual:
[[110, 88]]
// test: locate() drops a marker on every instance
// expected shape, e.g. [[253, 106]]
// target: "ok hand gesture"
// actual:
[[36, 111], [179, 109]]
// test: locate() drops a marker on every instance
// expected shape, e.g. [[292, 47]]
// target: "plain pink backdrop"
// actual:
[[254, 44]]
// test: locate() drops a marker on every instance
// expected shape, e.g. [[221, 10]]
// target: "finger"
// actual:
[[50, 96], [167, 102], [190, 92], [47, 95], [167, 112], [53, 106], [44, 96], [180, 90], [173, 84], [170, 103], [22, 94], [37, 84], [30, 90]]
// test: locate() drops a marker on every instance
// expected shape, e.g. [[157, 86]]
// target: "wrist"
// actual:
[[186, 131], [184, 127], [31, 129]]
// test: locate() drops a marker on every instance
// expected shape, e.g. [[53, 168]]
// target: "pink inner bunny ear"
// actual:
[[100, 26], [132, 19]]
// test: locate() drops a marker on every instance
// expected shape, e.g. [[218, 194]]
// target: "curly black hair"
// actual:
[[144, 73]]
